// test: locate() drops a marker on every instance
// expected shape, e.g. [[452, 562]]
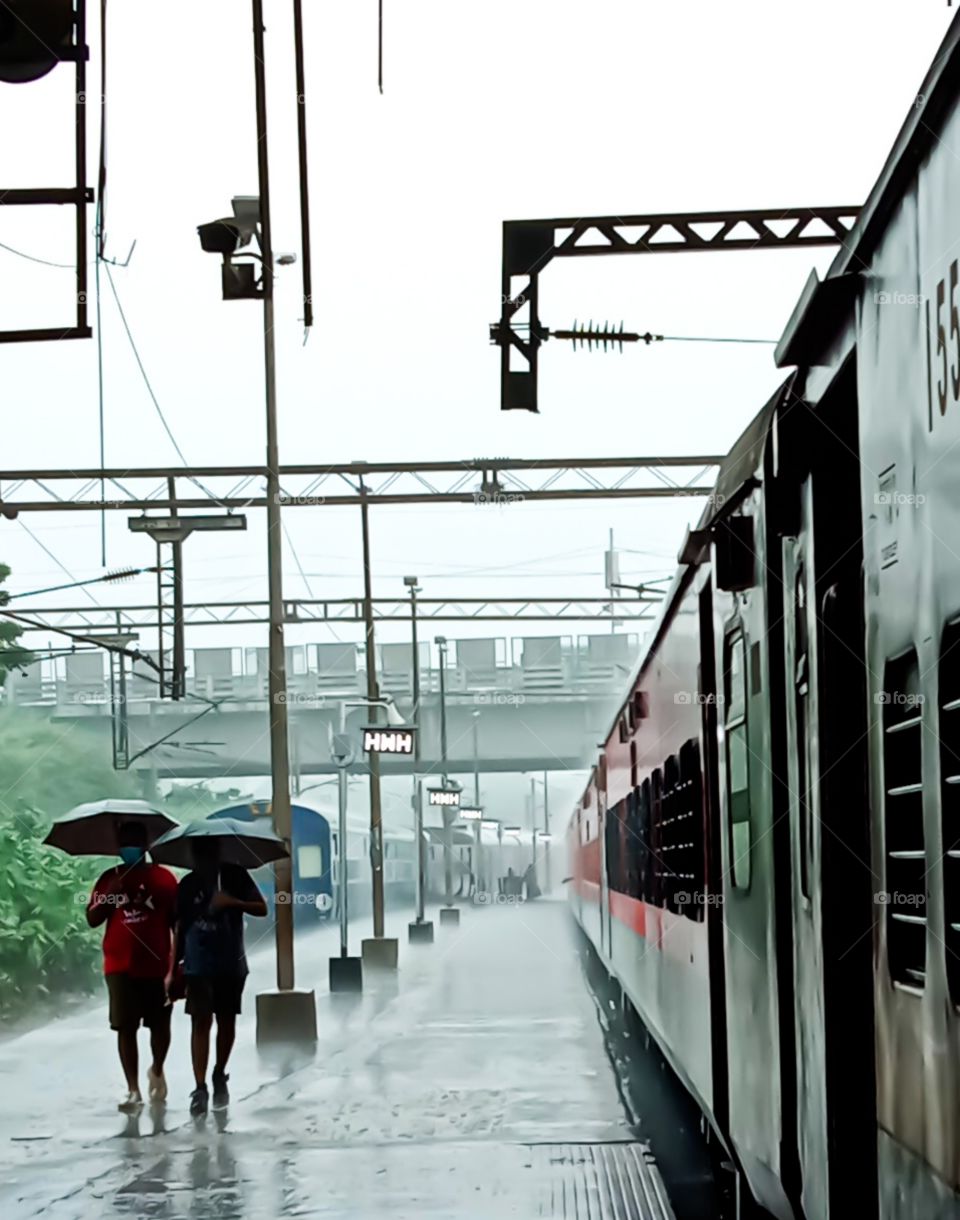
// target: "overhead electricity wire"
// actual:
[[45, 262], [110, 578], [143, 371], [712, 339], [63, 567]]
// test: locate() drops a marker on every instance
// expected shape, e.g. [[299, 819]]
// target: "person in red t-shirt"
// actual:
[[137, 902]]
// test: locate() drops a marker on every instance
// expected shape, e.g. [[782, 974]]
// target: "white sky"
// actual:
[[505, 109]]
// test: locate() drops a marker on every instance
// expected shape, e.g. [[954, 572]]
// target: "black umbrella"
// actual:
[[91, 829], [248, 844]]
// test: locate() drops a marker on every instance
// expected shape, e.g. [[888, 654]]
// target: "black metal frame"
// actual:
[[530, 245], [78, 196]]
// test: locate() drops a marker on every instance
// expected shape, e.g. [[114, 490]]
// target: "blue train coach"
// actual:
[[311, 858]]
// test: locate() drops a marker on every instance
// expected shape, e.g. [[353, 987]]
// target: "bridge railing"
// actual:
[[321, 673]]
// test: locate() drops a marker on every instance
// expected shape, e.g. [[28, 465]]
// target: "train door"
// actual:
[[802, 703], [832, 890], [713, 865]]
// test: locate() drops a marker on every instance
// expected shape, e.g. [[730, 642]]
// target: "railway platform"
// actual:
[[474, 1082]]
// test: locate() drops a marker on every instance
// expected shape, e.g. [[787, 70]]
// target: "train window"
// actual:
[[310, 860], [633, 764], [612, 843], [906, 857], [626, 849], [670, 850], [643, 845], [633, 844], [693, 867], [738, 765], [801, 689], [656, 811], [949, 733]]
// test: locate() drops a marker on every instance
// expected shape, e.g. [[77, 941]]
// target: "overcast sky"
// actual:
[[506, 109]]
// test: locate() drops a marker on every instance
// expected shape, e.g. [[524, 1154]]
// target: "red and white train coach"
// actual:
[[767, 855]]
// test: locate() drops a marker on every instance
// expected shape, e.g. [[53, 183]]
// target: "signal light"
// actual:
[[34, 36]]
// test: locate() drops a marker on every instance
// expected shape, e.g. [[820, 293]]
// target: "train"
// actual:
[[766, 855], [315, 861]]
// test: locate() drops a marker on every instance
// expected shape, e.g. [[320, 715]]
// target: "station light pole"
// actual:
[[449, 913], [475, 715], [475, 815], [420, 930], [546, 833], [346, 973], [441, 643], [494, 824], [544, 836], [285, 1014]]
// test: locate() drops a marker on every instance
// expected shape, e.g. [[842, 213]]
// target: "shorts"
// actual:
[[216, 995], [135, 1000]]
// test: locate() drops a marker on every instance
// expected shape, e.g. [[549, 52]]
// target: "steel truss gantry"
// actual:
[[479, 481], [87, 619], [531, 245]]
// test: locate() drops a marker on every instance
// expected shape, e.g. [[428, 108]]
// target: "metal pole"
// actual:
[[376, 827], [476, 761], [279, 760], [546, 828], [421, 850], [416, 673], [178, 681], [533, 818], [476, 796], [448, 820], [448, 817], [477, 860], [302, 153], [417, 783], [443, 709], [613, 591], [343, 865]]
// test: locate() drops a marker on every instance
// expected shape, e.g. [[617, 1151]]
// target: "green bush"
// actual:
[[47, 767], [46, 947], [47, 950]]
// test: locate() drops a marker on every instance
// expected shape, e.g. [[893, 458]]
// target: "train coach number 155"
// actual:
[[941, 368]]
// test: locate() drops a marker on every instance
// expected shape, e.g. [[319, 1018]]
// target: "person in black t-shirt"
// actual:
[[211, 904]]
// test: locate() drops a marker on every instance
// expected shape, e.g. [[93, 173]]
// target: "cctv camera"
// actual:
[[224, 236]]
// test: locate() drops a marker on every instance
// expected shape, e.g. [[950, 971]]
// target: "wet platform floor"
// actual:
[[472, 1083]]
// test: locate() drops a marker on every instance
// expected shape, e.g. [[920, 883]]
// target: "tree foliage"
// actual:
[[46, 767]]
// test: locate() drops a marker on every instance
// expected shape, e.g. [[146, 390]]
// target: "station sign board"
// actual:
[[444, 796], [388, 741]]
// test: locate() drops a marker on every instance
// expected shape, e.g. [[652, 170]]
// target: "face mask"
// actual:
[[131, 856]]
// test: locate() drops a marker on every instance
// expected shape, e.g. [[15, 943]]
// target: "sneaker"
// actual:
[[156, 1085], [198, 1100], [221, 1094], [132, 1103]]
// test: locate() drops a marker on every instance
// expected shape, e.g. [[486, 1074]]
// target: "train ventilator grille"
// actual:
[[906, 857], [949, 734]]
